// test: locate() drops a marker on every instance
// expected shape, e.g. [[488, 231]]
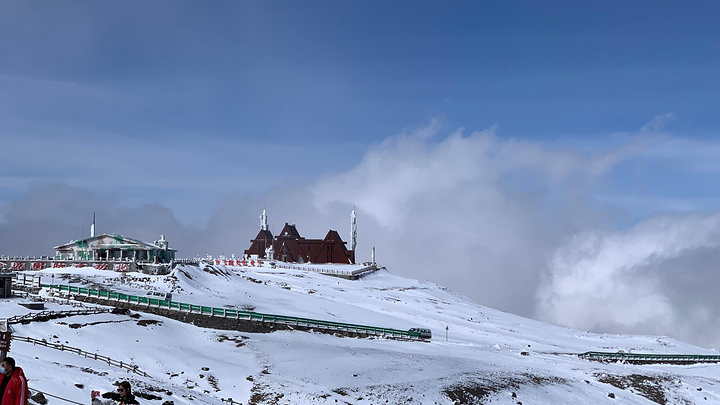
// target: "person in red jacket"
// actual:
[[13, 388]]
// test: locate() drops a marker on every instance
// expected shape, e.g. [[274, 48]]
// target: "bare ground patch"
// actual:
[[84, 369], [655, 388], [477, 388], [260, 394], [239, 340]]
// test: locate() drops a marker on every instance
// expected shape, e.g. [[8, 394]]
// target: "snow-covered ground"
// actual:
[[488, 357]]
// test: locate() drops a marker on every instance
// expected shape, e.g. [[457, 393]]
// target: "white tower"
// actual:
[[373, 255], [353, 231], [92, 227], [263, 221]]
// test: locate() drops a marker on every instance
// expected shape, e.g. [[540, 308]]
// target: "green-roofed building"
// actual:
[[113, 247]]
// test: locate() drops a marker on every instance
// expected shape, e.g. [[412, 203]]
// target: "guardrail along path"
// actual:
[[647, 358], [230, 319]]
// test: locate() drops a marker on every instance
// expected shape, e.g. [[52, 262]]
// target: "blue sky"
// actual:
[[357, 72], [348, 75], [517, 126]]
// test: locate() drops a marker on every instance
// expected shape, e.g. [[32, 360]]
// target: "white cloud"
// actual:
[[657, 123], [518, 225], [629, 281], [411, 168], [514, 224], [474, 212]]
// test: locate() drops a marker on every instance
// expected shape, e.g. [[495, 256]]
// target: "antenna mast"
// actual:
[[353, 230], [92, 227], [263, 221]]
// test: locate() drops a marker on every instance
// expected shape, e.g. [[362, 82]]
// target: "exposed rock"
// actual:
[[39, 398], [147, 395]]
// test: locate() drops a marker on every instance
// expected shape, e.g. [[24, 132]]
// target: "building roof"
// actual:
[[333, 236], [263, 239], [264, 234], [119, 242], [289, 231]]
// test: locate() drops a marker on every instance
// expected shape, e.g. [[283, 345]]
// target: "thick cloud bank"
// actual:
[[473, 212], [577, 233], [533, 228], [659, 277]]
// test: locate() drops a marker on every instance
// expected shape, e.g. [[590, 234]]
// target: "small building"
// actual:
[[113, 247]]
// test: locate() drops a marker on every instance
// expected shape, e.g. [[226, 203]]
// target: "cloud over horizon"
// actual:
[[472, 212], [524, 226], [659, 277]]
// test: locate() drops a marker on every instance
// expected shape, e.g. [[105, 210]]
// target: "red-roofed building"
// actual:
[[289, 246]]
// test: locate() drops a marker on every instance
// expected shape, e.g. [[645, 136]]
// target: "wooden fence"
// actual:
[[32, 316], [80, 352]]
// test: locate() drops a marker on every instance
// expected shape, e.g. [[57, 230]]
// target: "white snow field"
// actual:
[[489, 357]]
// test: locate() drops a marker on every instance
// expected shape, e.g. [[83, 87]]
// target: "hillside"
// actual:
[[490, 357]]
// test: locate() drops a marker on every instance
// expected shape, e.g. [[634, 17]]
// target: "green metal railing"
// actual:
[[650, 358], [237, 314]]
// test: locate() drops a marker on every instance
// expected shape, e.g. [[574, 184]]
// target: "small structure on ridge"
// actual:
[[289, 246]]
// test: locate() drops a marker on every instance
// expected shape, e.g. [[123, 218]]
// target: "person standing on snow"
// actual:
[[13, 388], [123, 396]]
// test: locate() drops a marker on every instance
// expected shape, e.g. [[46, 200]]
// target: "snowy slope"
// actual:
[[489, 356]]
